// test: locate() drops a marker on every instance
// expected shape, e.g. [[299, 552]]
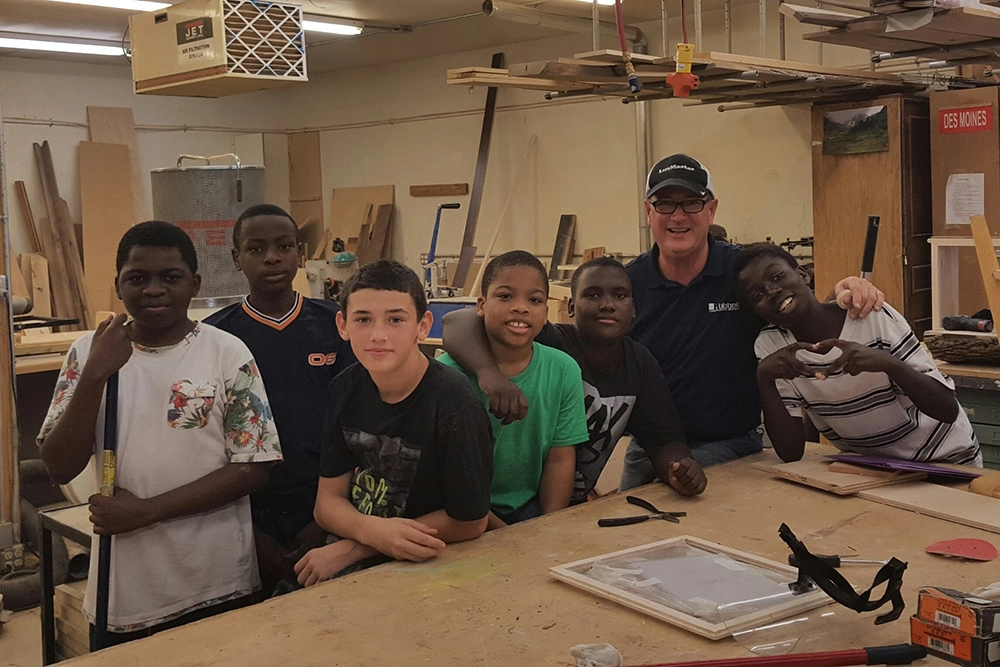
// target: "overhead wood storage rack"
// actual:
[[725, 78]]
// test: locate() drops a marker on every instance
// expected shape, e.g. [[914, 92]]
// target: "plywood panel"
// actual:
[[116, 125], [276, 168], [35, 269], [305, 170], [846, 190], [106, 212], [943, 502], [815, 471]]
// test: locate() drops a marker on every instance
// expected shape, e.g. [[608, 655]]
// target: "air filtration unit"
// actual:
[[213, 48], [205, 201]]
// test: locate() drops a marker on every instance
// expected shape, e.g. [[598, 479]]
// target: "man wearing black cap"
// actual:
[[687, 314]]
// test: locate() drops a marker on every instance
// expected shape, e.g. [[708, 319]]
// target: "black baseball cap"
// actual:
[[680, 171]]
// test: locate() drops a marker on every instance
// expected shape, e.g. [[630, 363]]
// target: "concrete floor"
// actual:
[[21, 640]]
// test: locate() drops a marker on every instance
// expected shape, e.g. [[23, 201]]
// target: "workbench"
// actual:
[[492, 602]]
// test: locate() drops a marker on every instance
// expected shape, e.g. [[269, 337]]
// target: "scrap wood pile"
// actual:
[[724, 78], [69, 273]]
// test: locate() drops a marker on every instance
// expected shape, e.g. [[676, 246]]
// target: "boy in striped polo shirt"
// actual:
[[866, 384]]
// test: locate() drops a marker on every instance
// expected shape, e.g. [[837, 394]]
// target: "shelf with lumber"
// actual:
[[724, 77], [970, 35]]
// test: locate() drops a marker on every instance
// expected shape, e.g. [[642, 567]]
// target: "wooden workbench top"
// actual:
[[492, 602]]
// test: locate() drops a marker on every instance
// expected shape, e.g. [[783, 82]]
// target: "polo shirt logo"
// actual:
[[725, 306]]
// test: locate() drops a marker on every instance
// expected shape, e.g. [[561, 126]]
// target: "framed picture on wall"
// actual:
[[853, 131]]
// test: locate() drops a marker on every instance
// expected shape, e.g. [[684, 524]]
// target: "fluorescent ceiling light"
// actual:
[[606, 3], [60, 47], [313, 23], [131, 5]]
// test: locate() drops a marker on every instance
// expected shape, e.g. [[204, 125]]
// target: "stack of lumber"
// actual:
[[72, 629], [961, 35], [725, 78], [362, 217]]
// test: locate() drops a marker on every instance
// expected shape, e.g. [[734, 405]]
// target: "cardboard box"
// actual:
[[960, 611], [955, 646]]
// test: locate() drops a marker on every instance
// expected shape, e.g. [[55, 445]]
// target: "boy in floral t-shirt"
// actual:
[[195, 437]]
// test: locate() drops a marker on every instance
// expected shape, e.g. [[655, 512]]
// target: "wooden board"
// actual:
[[943, 502], [29, 217], [106, 212], [563, 248], [349, 206], [815, 471], [18, 287], [816, 16], [305, 167], [35, 269], [441, 190], [371, 245], [113, 125], [46, 343], [574, 573]]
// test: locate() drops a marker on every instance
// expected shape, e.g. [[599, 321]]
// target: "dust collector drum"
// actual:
[[205, 201]]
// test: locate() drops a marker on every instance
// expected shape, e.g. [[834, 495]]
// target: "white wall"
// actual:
[[402, 124], [47, 100]]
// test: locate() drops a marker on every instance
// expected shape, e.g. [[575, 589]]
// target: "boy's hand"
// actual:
[[864, 297], [404, 539], [120, 513], [854, 358], [507, 402], [784, 364], [321, 563], [687, 477], [111, 348]]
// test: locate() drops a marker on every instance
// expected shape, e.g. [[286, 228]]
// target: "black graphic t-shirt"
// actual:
[[433, 450], [633, 398]]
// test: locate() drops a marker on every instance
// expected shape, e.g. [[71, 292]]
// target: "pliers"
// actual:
[[646, 505]]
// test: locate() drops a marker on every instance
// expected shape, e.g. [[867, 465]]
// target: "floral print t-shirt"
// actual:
[[184, 411]]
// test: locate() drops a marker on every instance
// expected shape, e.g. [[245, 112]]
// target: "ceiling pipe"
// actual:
[[531, 16]]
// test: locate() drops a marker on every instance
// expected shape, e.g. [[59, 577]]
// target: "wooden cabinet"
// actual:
[[894, 184]]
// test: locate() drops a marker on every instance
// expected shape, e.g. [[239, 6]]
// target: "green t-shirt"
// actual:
[[556, 417]]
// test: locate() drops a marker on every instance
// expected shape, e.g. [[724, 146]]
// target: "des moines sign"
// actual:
[[970, 119]]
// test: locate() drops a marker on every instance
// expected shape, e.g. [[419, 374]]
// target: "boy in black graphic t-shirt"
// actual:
[[407, 460], [624, 388]]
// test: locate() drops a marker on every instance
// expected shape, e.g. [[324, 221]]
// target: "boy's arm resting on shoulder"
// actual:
[[125, 512], [402, 539], [464, 338], [68, 444], [558, 471]]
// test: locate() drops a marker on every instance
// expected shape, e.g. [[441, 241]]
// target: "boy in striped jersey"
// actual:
[[866, 384]]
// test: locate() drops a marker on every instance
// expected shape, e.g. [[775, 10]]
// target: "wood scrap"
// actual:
[[107, 213], [59, 239], [18, 286], [46, 343], [593, 253], [35, 269], [116, 125], [850, 469], [349, 209], [305, 167], [942, 502], [439, 190], [29, 217], [815, 471], [816, 16], [479, 181], [372, 242], [562, 252]]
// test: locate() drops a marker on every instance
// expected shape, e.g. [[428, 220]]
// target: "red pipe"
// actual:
[[899, 654]]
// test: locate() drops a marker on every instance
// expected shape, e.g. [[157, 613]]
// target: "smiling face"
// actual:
[[156, 285], [383, 329], [515, 307], [679, 234], [268, 253], [776, 291], [602, 304]]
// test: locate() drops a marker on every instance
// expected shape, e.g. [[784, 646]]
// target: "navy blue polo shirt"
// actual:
[[702, 342]]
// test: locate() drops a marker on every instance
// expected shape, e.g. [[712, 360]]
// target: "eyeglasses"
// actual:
[[666, 206]]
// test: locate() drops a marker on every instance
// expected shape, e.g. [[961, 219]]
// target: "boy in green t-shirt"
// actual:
[[534, 459]]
